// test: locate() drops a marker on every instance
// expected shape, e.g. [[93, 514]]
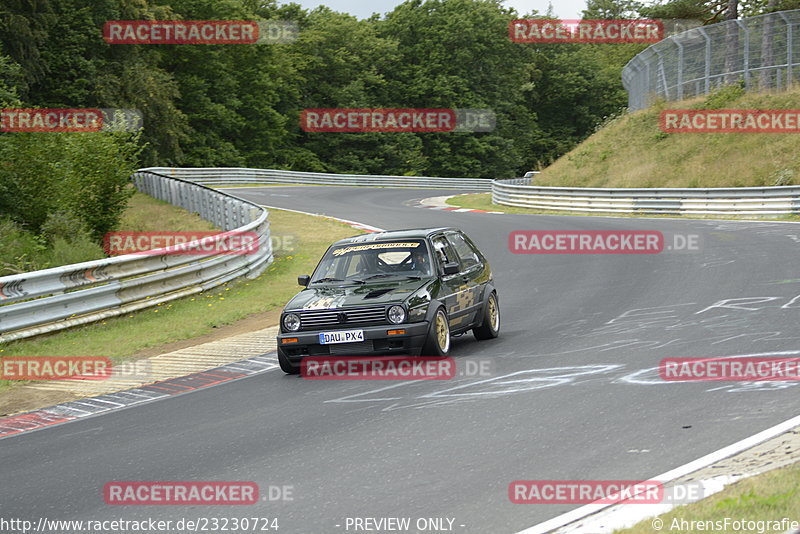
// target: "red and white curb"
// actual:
[[72, 411]]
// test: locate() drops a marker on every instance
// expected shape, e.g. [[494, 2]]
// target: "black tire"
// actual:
[[286, 365], [438, 341], [490, 327]]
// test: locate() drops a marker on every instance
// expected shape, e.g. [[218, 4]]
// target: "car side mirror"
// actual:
[[304, 280], [451, 268]]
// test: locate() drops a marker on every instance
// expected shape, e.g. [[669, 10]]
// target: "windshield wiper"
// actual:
[[329, 279], [384, 275]]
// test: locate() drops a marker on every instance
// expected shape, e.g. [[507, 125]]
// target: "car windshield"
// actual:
[[359, 262]]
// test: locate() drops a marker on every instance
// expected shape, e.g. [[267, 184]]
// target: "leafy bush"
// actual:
[[723, 96], [81, 176], [22, 251]]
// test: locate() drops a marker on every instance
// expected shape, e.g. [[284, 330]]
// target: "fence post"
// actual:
[[680, 68], [708, 60], [746, 59], [663, 74], [789, 54]]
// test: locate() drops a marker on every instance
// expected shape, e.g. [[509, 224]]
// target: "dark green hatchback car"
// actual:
[[399, 292]]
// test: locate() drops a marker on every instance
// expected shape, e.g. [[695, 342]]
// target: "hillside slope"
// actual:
[[632, 151]]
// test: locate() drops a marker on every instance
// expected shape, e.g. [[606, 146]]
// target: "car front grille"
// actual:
[[361, 347], [315, 319]]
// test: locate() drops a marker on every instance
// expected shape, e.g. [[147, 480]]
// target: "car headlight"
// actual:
[[291, 322], [396, 314]]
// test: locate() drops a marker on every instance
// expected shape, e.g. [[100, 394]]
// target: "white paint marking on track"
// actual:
[[634, 378], [627, 515], [704, 461], [354, 224]]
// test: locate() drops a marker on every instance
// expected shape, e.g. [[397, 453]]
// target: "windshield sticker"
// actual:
[[374, 246]]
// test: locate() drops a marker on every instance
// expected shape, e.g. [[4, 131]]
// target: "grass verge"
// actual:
[[147, 214], [767, 497], [633, 151], [300, 241]]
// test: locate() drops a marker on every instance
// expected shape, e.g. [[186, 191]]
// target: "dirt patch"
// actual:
[[20, 399]]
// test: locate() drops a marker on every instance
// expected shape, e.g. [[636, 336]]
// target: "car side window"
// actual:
[[443, 251], [465, 253], [474, 248]]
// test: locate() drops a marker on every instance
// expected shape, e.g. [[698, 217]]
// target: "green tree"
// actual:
[[342, 63], [611, 9], [11, 78], [457, 54]]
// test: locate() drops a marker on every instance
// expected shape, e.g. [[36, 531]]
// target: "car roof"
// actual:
[[413, 233]]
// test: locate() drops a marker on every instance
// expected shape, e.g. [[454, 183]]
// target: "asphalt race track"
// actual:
[[573, 392]]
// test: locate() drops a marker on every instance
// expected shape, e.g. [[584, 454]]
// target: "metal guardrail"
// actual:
[[519, 192], [52, 299], [763, 52], [236, 176]]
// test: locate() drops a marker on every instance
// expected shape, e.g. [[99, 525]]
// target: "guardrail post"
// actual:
[[228, 215]]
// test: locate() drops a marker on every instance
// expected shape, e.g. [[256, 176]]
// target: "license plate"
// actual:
[[341, 336]]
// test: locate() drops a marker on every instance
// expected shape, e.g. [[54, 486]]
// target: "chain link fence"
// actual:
[[760, 52]]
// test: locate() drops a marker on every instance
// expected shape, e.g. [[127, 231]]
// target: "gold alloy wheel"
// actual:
[[494, 314], [442, 332]]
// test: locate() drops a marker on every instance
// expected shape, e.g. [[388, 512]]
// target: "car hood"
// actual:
[[336, 296]]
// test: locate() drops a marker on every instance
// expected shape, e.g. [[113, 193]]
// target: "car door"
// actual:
[[468, 294], [451, 284]]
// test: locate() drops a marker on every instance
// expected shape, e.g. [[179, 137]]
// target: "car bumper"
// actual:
[[377, 341]]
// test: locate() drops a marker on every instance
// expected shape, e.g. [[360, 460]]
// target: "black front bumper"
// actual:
[[377, 341]]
